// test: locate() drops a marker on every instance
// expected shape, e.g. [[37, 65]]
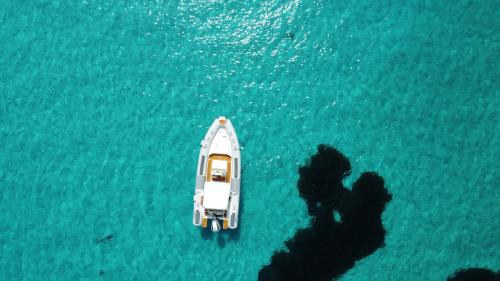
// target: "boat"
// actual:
[[218, 178]]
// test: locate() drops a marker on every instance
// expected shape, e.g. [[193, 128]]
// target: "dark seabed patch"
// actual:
[[346, 225], [475, 274], [104, 239], [290, 35]]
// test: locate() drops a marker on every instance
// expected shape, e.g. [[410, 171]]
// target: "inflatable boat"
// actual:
[[217, 190]]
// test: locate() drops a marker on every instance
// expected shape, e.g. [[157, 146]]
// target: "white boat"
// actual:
[[217, 191]]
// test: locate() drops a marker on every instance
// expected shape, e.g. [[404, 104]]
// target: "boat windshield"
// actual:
[[218, 174]]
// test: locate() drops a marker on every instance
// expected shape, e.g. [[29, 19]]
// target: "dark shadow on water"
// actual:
[[206, 233], [221, 241], [330, 247], [223, 237], [474, 274]]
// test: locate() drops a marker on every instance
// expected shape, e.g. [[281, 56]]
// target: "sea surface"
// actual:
[[103, 105]]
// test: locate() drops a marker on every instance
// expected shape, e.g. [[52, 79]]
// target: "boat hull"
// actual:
[[220, 140]]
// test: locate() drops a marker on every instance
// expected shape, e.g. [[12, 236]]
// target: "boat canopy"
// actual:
[[216, 195]]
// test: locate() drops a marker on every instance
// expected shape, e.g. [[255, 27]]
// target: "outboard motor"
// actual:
[[215, 225]]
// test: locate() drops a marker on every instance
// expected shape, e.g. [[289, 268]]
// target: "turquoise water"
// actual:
[[103, 105]]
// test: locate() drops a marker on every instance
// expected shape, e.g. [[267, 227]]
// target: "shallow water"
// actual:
[[103, 105]]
